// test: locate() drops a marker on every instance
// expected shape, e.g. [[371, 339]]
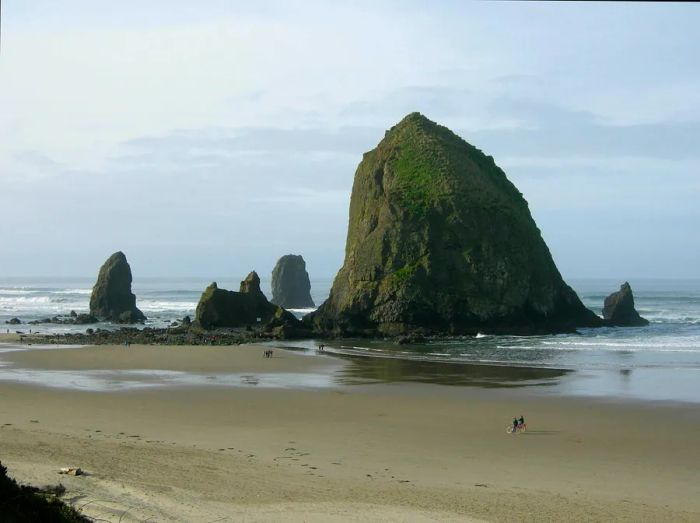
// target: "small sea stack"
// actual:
[[247, 307], [112, 299], [619, 311], [441, 242], [291, 287]]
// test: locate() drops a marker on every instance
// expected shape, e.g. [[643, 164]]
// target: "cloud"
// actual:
[[189, 133], [231, 141], [547, 130]]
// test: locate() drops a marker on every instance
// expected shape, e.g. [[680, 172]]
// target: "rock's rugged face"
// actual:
[[222, 308], [619, 311], [112, 299], [291, 287], [440, 241]]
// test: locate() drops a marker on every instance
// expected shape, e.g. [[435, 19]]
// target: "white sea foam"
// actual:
[[163, 306], [33, 300], [86, 292]]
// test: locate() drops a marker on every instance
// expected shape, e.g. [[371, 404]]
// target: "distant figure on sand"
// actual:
[[515, 425], [267, 354]]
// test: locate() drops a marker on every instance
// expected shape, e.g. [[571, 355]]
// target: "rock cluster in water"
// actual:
[[291, 287], [619, 311], [247, 307], [112, 299], [71, 319], [440, 241]]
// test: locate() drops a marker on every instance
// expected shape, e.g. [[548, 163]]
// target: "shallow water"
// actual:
[[640, 384]]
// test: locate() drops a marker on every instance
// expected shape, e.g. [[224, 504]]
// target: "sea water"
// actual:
[[660, 361]]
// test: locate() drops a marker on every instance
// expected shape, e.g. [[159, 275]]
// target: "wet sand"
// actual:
[[389, 452]]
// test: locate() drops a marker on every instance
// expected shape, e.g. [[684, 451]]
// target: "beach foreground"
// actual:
[[386, 452]]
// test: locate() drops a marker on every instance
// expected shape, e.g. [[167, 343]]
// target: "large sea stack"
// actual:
[[291, 287], [619, 311], [112, 299], [222, 308], [439, 241]]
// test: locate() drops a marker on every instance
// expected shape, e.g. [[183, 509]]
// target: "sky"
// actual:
[[212, 137]]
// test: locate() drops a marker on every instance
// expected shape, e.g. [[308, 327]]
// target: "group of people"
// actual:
[[518, 423], [267, 353], [321, 348]]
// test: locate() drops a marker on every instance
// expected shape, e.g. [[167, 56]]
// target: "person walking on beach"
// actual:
[[515, 425], [521, 422]]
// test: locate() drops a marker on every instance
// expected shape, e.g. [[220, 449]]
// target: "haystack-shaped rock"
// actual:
[[112, 299], [619, 311], [291, 287], [440, 241], [222, 308]]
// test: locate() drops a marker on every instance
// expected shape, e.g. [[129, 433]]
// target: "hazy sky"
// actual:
[[211, 137]]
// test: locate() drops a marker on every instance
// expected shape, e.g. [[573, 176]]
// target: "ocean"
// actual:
[[660, 361]]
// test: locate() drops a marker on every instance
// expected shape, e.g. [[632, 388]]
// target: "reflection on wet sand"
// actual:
[[367, 370]]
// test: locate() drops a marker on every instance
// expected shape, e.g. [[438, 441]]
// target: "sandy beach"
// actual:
[[382, 452]]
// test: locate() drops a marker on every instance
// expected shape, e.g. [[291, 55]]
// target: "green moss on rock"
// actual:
[[223, 308], [440, 240]]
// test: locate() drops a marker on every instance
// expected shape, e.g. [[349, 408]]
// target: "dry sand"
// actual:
[[401, 452]]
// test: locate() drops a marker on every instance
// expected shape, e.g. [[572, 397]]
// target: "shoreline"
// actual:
[[394, 451], [333, 368]]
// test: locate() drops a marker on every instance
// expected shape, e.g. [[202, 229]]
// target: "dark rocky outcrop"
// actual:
[[440, 242], [619, 311], [14, 321], [222, 308], [112, 299], [284, 325], [72, 319], [291, 287]]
